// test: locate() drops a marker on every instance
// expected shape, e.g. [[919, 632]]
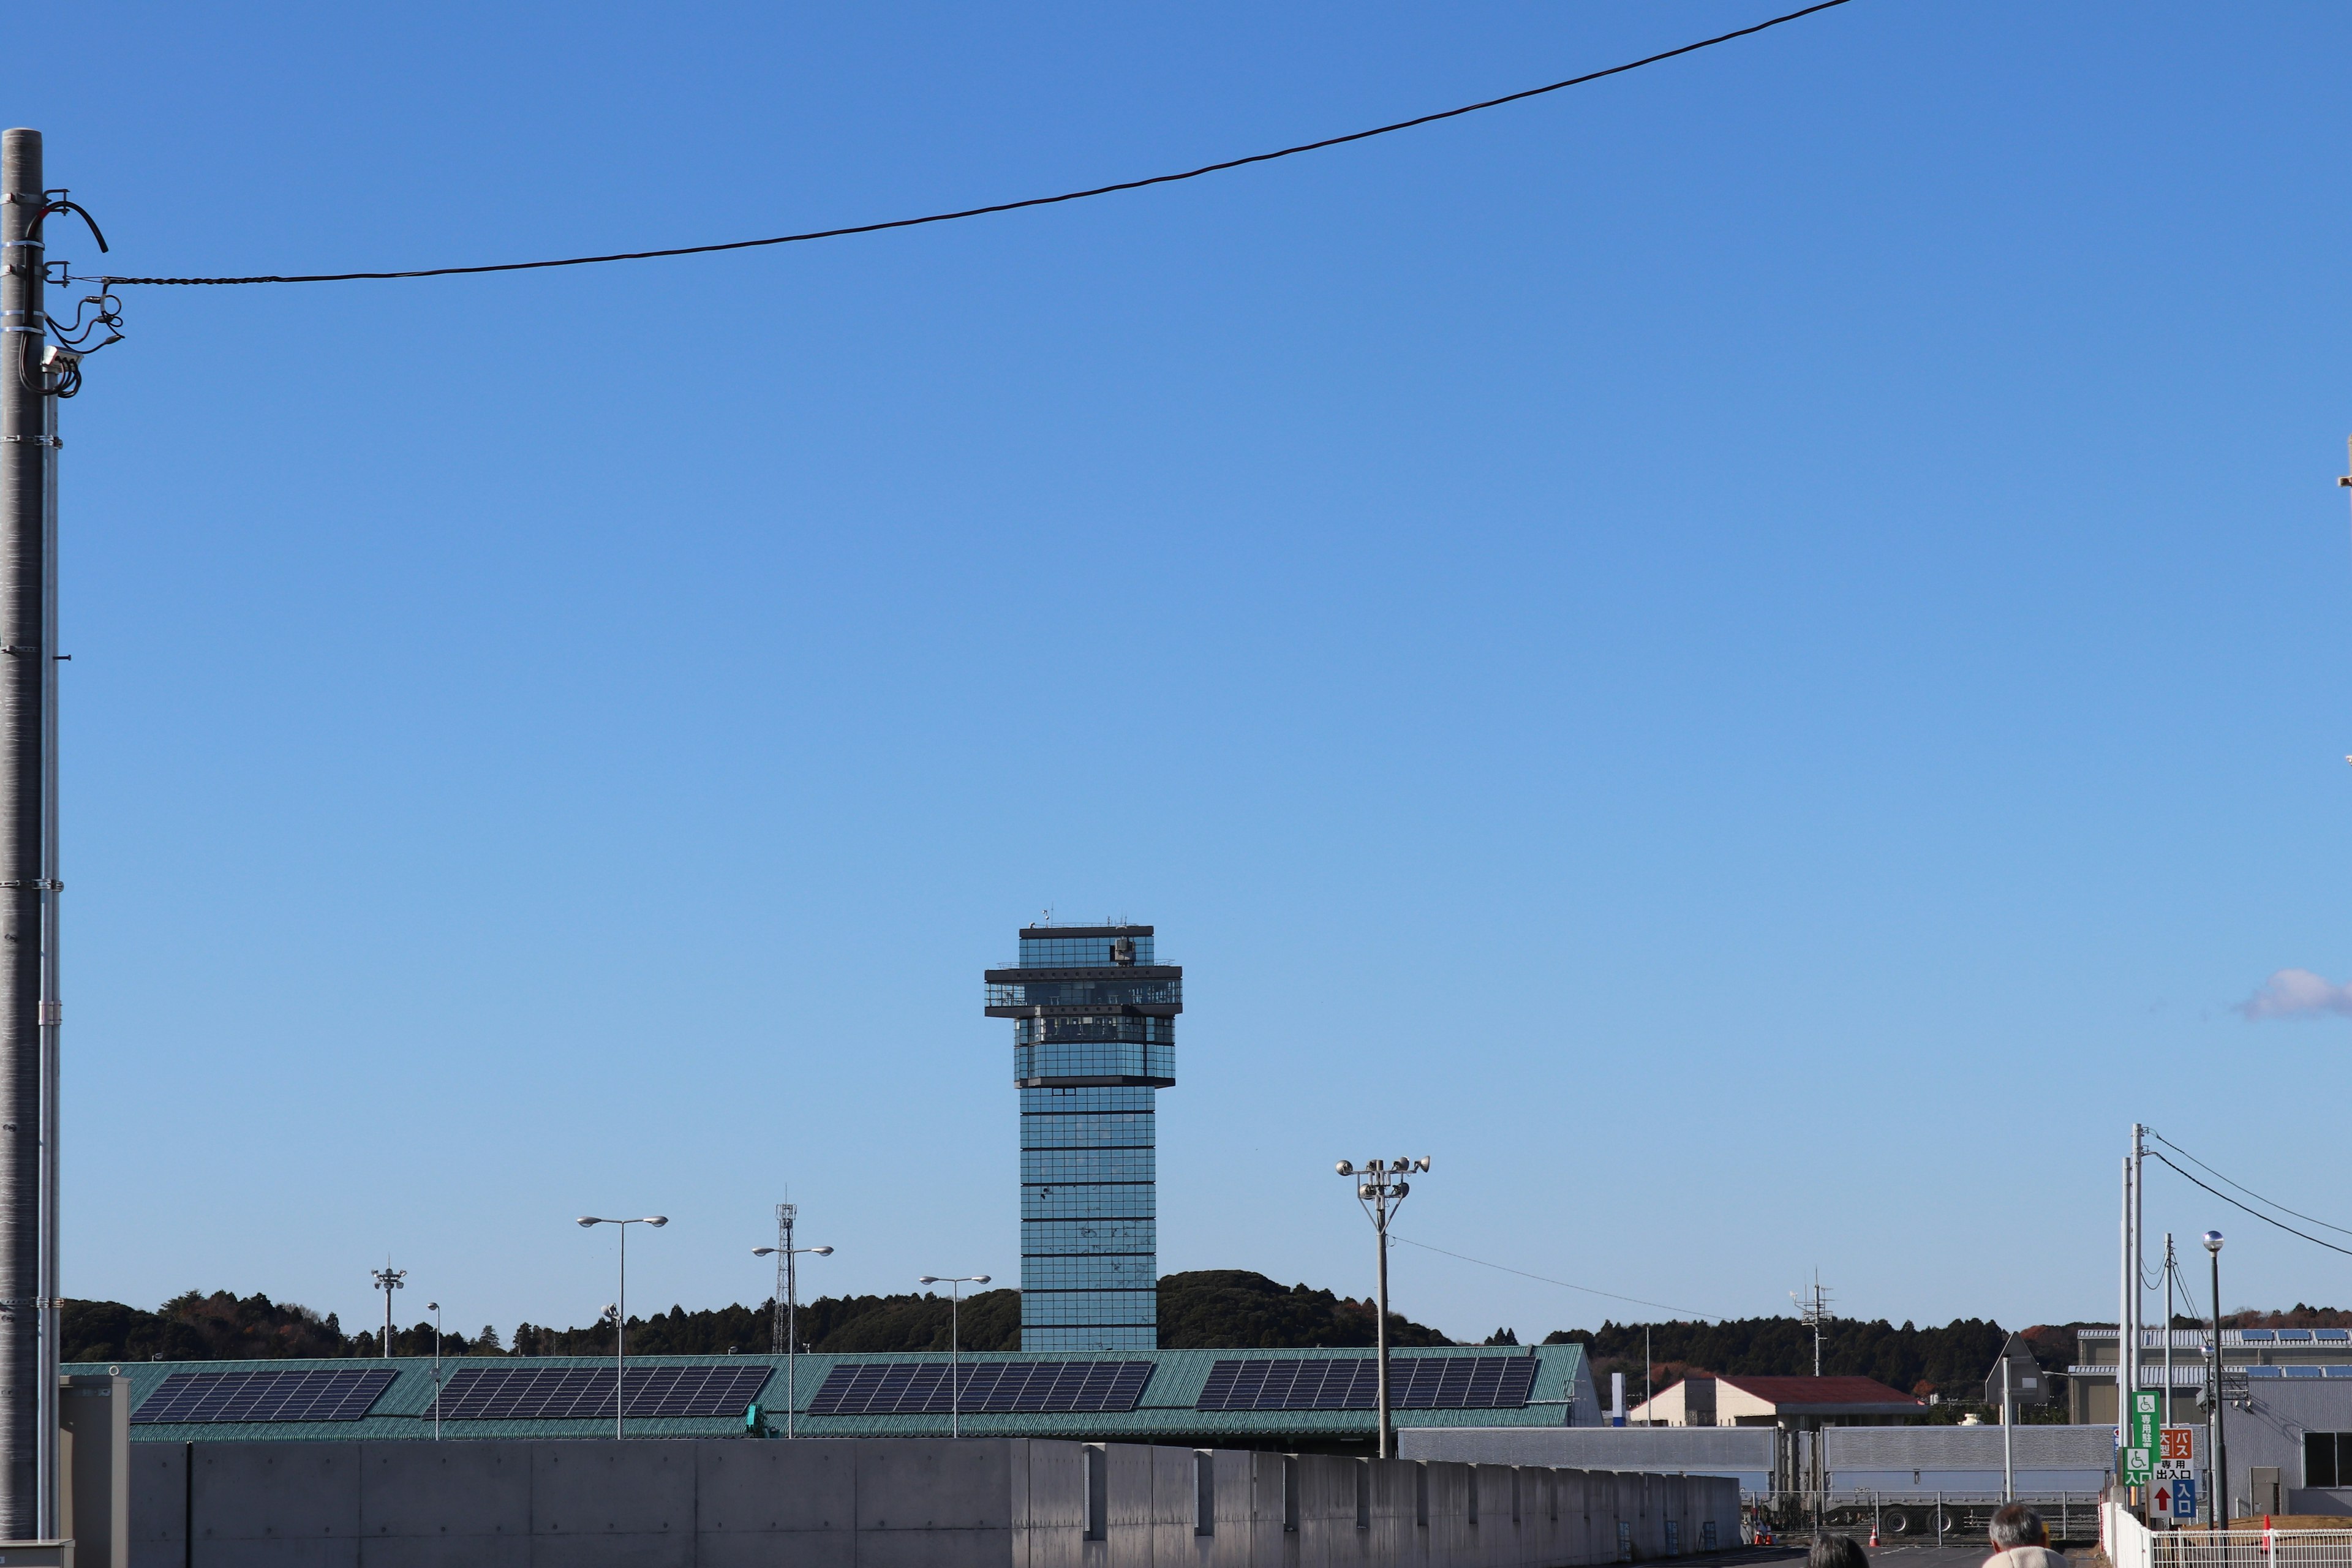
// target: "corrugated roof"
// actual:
[[1802, 1391], [1165, 1411]]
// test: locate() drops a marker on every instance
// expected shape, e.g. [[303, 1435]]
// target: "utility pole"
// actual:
[[28, 1377], [1813, 1308]]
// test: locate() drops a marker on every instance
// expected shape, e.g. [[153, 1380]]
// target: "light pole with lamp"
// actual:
[[435, 1308], [955, 1348], [2221, 1454], [790, 1306], [388, 1279], [1381, 1189], [620, 1307]]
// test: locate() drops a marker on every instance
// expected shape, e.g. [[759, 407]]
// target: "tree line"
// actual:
[[1214, 1309]]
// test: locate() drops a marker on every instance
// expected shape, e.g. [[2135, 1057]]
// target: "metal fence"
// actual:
[[1922, 1516], [2250, 1548]]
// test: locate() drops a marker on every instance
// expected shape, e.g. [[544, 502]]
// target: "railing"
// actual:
[[2249, 1548], [1917, 1516]]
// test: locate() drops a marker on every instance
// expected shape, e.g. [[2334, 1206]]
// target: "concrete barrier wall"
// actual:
[[889, 1503]]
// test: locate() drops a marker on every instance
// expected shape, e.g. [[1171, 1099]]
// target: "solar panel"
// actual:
[[2263, 1371], [2257, 1336], [2334, 1336], [2296, 1336], [292, 1393], [987, 1388], [2302, 1372], [1352, 1383], [585, 1393]]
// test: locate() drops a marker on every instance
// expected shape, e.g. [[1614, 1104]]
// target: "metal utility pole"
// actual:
[[2008, 1420], [2221, 1453], [2169, 1267], [28, 1378], [1380, 1188]]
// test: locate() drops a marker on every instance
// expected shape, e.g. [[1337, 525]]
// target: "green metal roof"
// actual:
[[1165, 1411]]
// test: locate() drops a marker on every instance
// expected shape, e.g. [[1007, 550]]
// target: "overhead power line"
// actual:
[[1565, 1285], [2272, 1202], [2258, 1214], [1014, 206]]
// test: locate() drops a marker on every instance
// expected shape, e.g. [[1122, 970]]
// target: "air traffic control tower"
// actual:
[[1093, 1038]]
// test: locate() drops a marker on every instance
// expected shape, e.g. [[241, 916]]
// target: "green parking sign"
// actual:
[[2141, 1438]]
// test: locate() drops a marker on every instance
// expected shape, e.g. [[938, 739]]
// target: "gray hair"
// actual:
[[2018, 1525]]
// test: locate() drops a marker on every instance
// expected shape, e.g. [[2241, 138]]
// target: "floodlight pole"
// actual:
[[435, 1308], [1381, 1188], [388, 1279], [787, 1308], [621, 1309], [955, 1342]]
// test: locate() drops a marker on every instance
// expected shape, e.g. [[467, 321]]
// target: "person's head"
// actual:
[[1836, 1551], [2018, 1525]]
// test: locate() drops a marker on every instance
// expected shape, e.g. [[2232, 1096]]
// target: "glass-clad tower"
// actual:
[[1093, 1037]]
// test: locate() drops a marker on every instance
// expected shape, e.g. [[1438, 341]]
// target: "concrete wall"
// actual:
[[1744, 1453], [888, 1504]]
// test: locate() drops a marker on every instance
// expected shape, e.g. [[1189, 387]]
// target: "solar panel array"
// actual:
[[316, 1394], [585, 1393], [987, 1388], [1352, 1383]]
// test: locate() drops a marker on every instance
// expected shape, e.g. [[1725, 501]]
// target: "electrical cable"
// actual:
[[1663, 1307], [1006, 207], [2308, 1219], [2258, 1214]]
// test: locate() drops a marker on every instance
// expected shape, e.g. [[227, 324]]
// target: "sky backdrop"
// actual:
[[1752, 656]]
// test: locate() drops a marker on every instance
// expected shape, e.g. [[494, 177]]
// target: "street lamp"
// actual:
[[1381, 1189], [435, 1308], [790, 1307], [620, 1307], [2221, 1454], [388, 1279], [955, 1352]]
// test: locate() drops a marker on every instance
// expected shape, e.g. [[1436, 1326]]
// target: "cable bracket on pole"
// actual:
[[57, 441], [38, 884]]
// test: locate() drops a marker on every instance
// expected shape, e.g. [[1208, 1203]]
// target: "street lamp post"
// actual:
[[435, 1308], [1381, 1189], [791, 1305], [2221, 1453], [620, 1307], [388, 1279], [955, 1347]]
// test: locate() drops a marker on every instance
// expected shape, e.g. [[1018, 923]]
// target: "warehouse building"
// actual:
[[2299, 1353], [1318, 1401]]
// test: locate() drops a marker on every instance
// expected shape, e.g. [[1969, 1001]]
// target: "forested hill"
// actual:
[[1211, 1309], [1951, 1361]]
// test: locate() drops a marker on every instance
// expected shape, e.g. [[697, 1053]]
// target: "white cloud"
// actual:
[[2297, 994]]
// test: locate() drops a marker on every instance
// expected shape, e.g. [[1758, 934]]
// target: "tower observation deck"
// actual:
[[1094, 1039]]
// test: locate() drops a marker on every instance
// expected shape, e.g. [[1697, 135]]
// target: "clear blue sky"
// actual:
[[1750, 656]]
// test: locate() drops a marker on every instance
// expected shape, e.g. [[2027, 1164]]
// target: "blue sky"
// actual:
[[1748, 655]]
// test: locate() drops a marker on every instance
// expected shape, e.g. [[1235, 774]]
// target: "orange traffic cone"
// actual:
[[1874, 1535]]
